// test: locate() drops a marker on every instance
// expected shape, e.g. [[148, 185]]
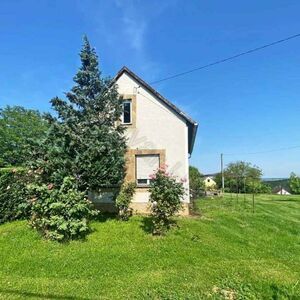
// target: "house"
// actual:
[[158, 134], [281, 191], [209, 183]]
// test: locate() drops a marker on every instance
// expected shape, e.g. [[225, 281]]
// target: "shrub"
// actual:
[[197, 186], [124, 199], [60, 214], [166, 196], [13, 194], [294, 183]]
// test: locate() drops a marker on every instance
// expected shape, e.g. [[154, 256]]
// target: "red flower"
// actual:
[[163, 167], [152, 176]]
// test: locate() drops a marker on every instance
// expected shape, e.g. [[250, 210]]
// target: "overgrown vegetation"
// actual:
[[60, 213], [84, 149], [166, 194], [196, 183], [20, 129], [13, 194], [124, 199], [85, 141], [294, 183], [229, 251]]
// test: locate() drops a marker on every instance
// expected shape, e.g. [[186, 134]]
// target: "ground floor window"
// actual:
[[146, 165]]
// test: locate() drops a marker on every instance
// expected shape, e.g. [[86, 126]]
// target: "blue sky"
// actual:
[[251, 104]]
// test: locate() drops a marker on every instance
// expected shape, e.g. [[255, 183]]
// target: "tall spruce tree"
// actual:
[[86, 140]]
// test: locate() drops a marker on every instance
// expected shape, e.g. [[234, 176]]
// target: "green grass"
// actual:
[[227, 252]]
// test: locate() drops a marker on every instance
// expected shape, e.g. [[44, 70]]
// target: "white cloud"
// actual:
[[135, 32], [134, 26], [123, 26]]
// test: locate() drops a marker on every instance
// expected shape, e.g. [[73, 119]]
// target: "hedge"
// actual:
[[13, 194]]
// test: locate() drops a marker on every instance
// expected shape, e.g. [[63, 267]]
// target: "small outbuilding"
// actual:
[[209, 182], [281, 191]]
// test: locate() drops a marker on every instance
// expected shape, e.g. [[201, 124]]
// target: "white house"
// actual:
[[158, 134], [281, 191], [209, 183]]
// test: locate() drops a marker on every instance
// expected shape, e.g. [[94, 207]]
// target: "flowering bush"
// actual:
[[124, 199], [60, 214], [166, 196]]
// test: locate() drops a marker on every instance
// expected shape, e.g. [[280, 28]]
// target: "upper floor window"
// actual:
[[127, 112]]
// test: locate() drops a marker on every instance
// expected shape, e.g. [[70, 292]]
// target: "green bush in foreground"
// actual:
[[60, 214], [124, 199], [294, 183], [166, 195], [13, 194]]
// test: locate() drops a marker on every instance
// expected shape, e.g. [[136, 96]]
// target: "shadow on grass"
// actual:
[[147, 225], [286, 200], [39, 295], [103, 217]]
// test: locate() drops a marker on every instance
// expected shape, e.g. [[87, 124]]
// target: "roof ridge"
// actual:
[[192, 125], [168, 102]]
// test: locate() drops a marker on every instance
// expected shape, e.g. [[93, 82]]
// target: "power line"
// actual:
[[226, 59], [261, 152]]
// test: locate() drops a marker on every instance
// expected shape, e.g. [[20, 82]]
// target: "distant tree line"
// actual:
[[242, 177], [20, 130]]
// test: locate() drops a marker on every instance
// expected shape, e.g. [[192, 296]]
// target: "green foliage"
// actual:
[[60, 214], [19, 129], [124, 199], [240, 177], [13, 194], [166, 195], [229, 248], [294, 183], [86, 141], [196, 182], [264, 188], [278, 184]]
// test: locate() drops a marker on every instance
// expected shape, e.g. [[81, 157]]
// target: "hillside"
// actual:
[[227, 252]]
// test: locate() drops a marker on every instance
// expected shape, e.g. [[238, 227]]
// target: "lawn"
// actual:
[[227, 253]]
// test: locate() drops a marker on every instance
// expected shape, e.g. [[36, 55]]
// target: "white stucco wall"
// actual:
[[157, 127]]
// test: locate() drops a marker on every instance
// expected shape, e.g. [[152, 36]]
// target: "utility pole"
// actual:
[[222, 173]]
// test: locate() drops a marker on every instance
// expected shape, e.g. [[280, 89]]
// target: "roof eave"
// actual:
[[192, 125]]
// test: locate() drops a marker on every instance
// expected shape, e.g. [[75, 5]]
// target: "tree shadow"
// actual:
[[147, 224], [106, 216], [39, 295], [286, 200], [148, 227]]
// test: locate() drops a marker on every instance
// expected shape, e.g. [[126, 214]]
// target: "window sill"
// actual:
[[143, 186]]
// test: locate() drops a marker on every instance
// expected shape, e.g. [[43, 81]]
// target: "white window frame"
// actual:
[[122, 119]]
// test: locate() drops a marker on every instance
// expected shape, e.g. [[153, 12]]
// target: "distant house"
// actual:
[[209, 183], [281, 191]]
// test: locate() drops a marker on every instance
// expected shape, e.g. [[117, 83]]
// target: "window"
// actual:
[[146, 165], [126, 117]]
